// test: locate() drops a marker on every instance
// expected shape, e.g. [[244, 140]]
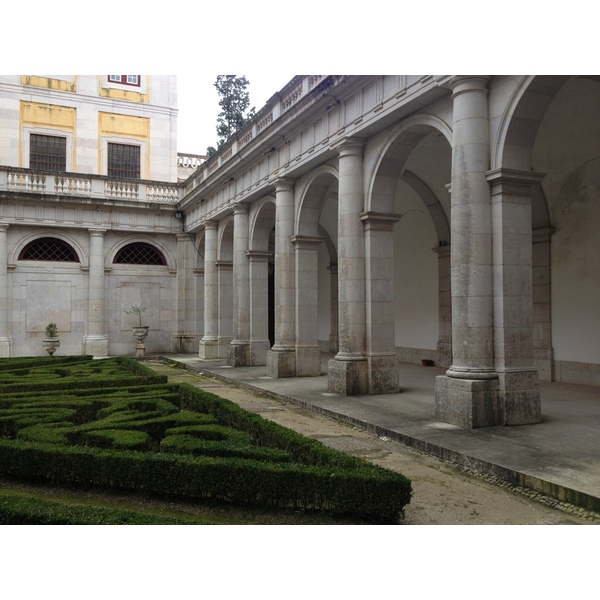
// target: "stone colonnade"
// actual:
[[485, 285]]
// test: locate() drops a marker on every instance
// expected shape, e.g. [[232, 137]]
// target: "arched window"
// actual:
[[139, 253], [49, 248]]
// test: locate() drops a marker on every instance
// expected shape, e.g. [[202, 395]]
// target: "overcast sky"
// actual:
[[198, 104]]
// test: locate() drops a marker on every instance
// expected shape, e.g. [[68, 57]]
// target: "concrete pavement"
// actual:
[[559, 457]]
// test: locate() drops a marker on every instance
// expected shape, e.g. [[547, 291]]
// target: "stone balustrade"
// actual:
[[14, 179]]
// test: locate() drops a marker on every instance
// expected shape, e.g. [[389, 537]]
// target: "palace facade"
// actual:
[[381, 219]]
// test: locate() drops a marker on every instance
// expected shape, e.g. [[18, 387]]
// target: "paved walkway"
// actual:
[[559, 457]]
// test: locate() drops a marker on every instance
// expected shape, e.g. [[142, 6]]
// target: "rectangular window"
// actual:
[[123, 160], [47, 152], [125, 79]]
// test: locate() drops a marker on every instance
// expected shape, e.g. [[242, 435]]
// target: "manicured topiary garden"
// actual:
[[115, 424]]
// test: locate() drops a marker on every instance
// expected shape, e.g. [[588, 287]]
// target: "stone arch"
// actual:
[[262, 222], [407, 172], [25, 240], [385, 164], [120, 244], [225, 239], [312, 193]]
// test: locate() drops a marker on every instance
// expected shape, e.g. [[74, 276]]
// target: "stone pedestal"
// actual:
[[468, 403], [308, 361], [95, 345], [348, 376], [281, 362], [383, 373], [208, 348], [238, 354]]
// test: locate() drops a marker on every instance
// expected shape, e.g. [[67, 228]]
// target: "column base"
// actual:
[[238, 354], [469, 403], [258, 352], [96, 345], [383, 374], [308, 361], [519, 397], [281, 363], [5, 344], [348, 377], [208, 349]]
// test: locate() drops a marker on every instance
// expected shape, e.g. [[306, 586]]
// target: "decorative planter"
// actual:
[[140, 333], [50, 345]]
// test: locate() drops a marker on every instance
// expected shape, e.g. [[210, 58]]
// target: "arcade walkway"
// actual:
[[559, 457]]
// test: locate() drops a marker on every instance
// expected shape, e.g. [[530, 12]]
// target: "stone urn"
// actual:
[[50, 345], [140, 332], [51, 342]]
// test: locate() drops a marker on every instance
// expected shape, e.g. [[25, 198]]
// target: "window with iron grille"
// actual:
[[123, 160], [139, 253], [48, 248], [47, 152], [125, 79]]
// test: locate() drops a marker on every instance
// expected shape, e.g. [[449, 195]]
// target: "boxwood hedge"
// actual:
[[174, 440]]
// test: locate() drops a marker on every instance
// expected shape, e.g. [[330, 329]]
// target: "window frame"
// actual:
[[28, 131], [124, 141], [108, 160], [124, 80]]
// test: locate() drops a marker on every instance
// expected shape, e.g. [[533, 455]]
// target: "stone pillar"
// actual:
[[281, 359], [444, 345], [543, 352], [518, 395], [184, 303], [348, 370], [96, 340], [259, 306], [308, 353], [5, 340], [467, 395], [333, 335], [225, 304], [379, 282], [238, 353], [209, 344]]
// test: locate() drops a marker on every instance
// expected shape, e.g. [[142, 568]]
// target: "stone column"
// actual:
[[348, 370], [380, 318], [467, 395], [519, 395], [96, 340], [238, 353], [308, 353], [259, 306], [5, 340], [184, 303], [225, 304], [333, 335], [444, 345], [209, 344], [281, 359], [543, 352]]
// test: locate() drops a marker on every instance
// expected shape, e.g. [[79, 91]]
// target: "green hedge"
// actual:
[[181, 441], [22, 509], [367, 490]]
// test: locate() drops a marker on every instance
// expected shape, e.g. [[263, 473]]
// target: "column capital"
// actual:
[[4, 226], [240, 209], [283, 184], [210, 225], [469, 83], [306, 241], [97, 232], [258, 256], [349, 146], [379, 221], [513, 181]]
